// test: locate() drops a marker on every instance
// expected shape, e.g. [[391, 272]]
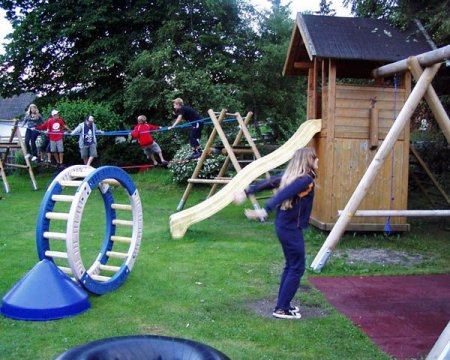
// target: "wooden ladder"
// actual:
[[230, 150], [11, 144]]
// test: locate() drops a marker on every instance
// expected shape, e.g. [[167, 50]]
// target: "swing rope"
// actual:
[[387, 225]]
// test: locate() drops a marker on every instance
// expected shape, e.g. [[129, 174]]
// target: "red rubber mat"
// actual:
[[403, 315]]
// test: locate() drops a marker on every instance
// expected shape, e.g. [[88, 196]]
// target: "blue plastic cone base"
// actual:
[[44, 293]]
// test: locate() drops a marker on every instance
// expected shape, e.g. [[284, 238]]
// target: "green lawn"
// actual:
[[199, 287]]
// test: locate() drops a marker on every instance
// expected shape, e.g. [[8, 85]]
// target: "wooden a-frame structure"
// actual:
[[230, 150], [11, 144], [431, 61]]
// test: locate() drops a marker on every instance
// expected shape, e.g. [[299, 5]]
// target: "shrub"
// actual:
[[182, 170], [74, 112]]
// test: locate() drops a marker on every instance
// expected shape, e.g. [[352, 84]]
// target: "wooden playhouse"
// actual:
[[338, 54]]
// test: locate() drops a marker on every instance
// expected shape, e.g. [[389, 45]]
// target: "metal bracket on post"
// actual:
[[321, 259]]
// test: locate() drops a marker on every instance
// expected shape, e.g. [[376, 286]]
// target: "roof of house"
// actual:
[[15, 106], [351, 40]]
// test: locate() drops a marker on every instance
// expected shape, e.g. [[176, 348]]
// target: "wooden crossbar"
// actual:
[[9, 146], [208, 181]]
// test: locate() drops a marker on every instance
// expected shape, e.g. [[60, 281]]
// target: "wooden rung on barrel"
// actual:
[[72, 183], [100, 277], [122, 222], [121, 239], [112, 182], [65, 270], [57, 216], [109, 268], [55, 235], [116, 255], [121, 207], [56, 254], [64, 198], [80, 174]]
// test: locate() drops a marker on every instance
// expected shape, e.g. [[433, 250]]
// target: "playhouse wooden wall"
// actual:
[[344, 149]]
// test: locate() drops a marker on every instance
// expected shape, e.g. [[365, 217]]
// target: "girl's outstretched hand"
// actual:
[[239, 197], [260, 214]]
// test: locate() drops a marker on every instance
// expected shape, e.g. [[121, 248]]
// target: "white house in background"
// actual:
[[11, 108]]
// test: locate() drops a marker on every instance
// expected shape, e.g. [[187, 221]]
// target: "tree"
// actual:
[[325, 8], [59, 46], [279, 100], [197, 55], [433, 14], [137, 55]]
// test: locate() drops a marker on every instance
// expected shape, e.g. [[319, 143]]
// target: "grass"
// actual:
[[199, 287]]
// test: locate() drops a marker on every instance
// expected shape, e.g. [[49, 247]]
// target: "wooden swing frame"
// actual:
[[431, 61]]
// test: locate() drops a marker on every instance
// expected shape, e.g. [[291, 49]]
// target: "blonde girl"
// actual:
[[293, 203], [31, 120]]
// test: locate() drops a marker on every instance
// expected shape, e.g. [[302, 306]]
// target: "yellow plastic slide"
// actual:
[[179, 222]]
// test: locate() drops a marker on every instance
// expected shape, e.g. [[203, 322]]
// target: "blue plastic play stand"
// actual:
[[44, 293]]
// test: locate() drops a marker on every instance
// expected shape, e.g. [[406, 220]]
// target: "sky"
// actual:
[[296, 6]]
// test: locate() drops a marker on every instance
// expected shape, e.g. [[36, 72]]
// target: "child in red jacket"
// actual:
[[142, 133], [55, 128]]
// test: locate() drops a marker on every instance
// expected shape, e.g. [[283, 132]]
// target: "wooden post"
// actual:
[[27, 160], [316, 95], [15, 132], [376, 164], [226, 163], [328, 162], [433, 101], [4, 178], [373, 128], [231, 154], [197, 169], [224, 139], [312, 90]]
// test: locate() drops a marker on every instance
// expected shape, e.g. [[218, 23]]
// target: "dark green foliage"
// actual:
[[137, 56], [279, 100], [75, 111], [434, 15], [82, 44], [197, 54]]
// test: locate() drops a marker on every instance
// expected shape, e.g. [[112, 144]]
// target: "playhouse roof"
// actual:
[[357, 42], [15, 106]]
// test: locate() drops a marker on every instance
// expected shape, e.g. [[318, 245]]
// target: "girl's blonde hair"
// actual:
[[302, 163], [29, 109]]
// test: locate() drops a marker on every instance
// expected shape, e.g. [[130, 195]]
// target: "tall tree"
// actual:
[[326, 9], [61, 45], [197, 55], [271, 96]]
